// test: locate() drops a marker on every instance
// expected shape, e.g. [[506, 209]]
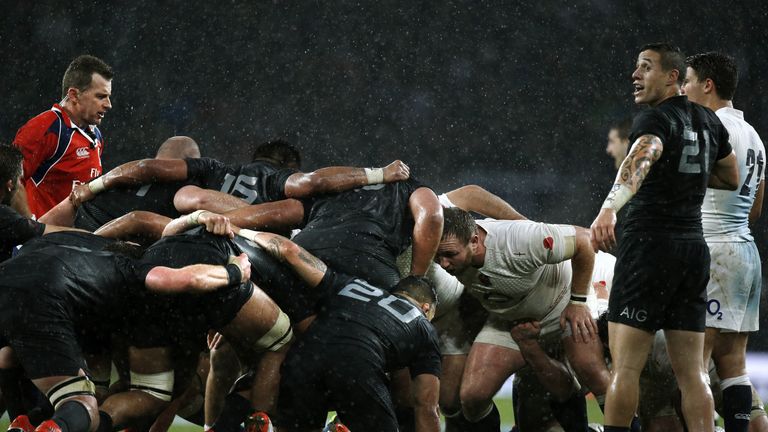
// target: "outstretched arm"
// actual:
[[271, 216], [427, 228], [198, 277], [643, 154], [339, 179], [63, 214], [130, 174], [214, 223], [577, 312], [306, 265], [144, 224], [474, 198]]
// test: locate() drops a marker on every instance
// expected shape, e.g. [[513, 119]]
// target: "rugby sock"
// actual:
[[491, 422], [236, 410], [72, 416], [105, 422], [635, 425], [571, 413], [40, 407], [11, 390], [456, 422], [737, 403], [406, 419]]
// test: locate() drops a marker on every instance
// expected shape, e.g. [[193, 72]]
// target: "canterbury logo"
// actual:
[[82, 152]]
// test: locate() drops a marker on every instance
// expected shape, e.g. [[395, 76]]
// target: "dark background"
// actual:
[[514, 96]]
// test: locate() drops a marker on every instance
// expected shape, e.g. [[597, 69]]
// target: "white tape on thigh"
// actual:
[[76, 386], [279, 335], [159, 385]]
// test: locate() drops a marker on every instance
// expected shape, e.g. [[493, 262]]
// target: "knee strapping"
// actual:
[[159, 385], [280, 334], [75, 386]]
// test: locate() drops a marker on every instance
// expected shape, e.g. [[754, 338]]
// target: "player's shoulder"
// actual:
[[39, 124]]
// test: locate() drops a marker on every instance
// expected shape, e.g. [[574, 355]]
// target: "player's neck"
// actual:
[[718, 103], [669, 92], [66, 106]]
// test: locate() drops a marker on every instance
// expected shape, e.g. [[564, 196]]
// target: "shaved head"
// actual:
[[178, 147]]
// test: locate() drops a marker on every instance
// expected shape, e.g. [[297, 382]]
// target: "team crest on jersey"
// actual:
[[484, 279], [82, 152]]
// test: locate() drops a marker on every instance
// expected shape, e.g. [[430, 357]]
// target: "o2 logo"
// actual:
[[713, 307]]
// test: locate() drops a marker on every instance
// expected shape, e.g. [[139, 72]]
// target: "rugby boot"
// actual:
[[335, 426], [48, 426], [259, 422], [21, 424]]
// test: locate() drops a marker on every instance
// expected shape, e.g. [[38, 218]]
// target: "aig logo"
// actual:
[[639, 315]]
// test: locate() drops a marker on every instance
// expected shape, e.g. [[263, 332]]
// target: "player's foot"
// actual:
[[21, 424], [259, 422], [48, 426], [335, 426]]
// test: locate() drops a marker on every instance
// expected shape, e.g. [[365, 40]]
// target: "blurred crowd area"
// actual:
[[515, 96]]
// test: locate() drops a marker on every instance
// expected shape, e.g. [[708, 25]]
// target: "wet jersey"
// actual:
[[113, 203], [669, 199], [525, 273], [57, 156], [73, 274], [255, 183], [15, 229], [360, 321], [725, 214], [374, 219]]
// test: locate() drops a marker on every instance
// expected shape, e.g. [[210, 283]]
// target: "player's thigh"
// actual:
[[488, 366], [685, 350], [450, 381], [629, 348]]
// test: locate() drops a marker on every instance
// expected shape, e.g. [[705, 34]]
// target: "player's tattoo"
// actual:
[[273, 246], [311, 260], [644, 153]]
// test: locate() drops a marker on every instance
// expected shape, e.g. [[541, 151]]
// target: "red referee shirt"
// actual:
[[57, 156]]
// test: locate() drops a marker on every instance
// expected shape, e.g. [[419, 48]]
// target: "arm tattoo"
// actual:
[[644, 153], [312, 260], [273, 247]]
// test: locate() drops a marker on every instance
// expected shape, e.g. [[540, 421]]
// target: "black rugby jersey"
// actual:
[[357, 320], [113, 203], [670, 198], [375, 219], [15, 229], [255, 183], [74, 275]]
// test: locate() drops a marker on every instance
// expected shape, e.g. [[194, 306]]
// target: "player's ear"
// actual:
[[429, 310], [709, 86], [672, 76]]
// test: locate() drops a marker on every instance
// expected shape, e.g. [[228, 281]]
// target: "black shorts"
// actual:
[[46, 353], [660, 282], [317, 378]]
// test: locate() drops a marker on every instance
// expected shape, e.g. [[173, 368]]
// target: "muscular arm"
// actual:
[[427, 228], [338, 179], [271, 216], [426, 392], [474, 198], [577, 313], [63, 214], [194, 278], [144, 224], [306, 265], [757, 206], [636, 166], [134, 173], [725, 173], [190, 198], [552, 374]]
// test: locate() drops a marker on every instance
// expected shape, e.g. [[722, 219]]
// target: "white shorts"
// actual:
[[734, 287], [496, 330]]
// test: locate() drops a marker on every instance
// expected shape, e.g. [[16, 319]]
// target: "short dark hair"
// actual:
[[10, 163], [623, 127], [80, 72], [458, 223], [671, 58], [720, 68], [278, 151], [418, 287]]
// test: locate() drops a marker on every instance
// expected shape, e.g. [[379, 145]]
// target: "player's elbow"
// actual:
[[187, 199], [290, 250]]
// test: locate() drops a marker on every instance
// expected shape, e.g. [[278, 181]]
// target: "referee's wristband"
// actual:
[[234, 274], [578, 300]]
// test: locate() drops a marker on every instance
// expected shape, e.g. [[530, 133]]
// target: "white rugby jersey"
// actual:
[[724, 214], [525, 274]]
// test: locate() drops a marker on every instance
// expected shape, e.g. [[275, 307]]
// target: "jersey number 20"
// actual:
[[393, 305]]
